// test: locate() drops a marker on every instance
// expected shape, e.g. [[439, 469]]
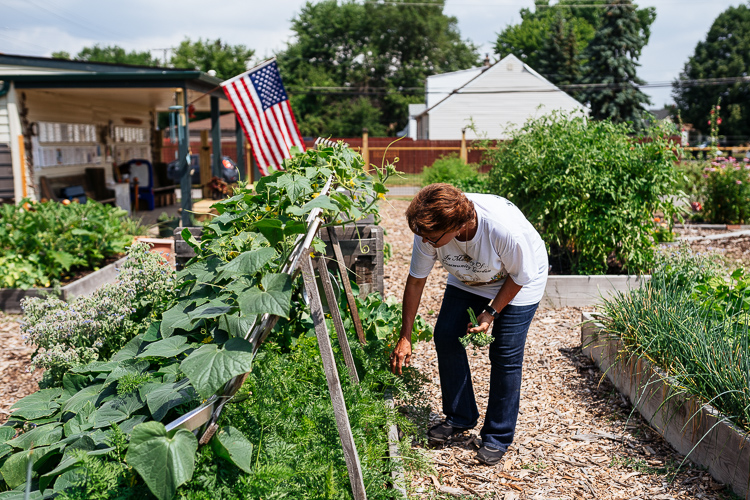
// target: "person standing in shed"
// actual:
[[498, 266]]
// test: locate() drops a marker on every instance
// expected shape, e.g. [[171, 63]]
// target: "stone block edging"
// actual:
[[694, 429], [587, 290], [10, 298]]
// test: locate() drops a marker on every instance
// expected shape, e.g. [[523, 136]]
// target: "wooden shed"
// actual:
[[492, 97], [59, 118]]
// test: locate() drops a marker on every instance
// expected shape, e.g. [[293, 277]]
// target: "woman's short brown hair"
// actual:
[[439, 207]]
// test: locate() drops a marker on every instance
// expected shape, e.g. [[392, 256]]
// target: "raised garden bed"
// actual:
[[10, 298], [588, 290], [694, 429]]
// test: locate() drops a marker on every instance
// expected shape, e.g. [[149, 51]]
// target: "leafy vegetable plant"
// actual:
[[42, 244], [197, 344]]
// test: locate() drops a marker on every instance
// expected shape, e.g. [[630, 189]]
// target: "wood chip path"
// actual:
[[577, 438]]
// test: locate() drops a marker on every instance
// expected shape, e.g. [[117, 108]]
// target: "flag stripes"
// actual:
[[260, 102]]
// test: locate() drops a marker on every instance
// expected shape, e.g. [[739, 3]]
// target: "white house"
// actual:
[[492, 97]]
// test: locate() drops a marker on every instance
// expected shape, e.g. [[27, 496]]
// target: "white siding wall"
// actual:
[[521, 95], [4, 124], [439, 87]]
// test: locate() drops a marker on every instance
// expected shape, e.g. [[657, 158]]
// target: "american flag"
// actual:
[[262, 107]]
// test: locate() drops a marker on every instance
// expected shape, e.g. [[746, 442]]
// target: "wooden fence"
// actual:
[[413, 155]]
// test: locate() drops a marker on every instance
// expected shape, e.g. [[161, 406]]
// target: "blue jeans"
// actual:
[[506, 361]]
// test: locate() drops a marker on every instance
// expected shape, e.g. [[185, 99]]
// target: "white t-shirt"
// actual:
[[505, 244]]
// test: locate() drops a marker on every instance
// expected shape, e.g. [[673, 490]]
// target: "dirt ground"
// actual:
[[577, 437]]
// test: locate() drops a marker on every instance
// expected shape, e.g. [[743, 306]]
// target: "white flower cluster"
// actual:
[[89, 328]]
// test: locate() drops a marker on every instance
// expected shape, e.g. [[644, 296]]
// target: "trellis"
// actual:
[[203, 419]]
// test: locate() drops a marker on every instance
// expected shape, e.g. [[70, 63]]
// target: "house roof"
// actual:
[[465, 88], [152, 85]]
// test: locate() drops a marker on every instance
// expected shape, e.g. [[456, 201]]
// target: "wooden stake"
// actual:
[[347, 286], [334, 384], [338, 323], [22, 153]]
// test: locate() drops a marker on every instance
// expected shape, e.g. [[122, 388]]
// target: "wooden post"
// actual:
[[216, 166], [242, 158], [334, 384], [249, 163], [135, 190], [156, 146], [464, 152], [204, 162], [366, 149], [186, 185], [338, 323], [22, 154], [350, 300]]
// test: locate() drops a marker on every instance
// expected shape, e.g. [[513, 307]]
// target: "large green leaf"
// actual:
[[211, 309], [274, 298], [117, 410], [44, 435], [322, 201], [295, 185], [272, 229], [15, 467], [96, 367], [96, 394], [37, 405], [68, 463], [209, 367], [236, 324], [230, 444], [167, 348], [72, 383], [129, 350], [164, 460], [246, 263], [175, 318], [161, 398], [82, 421]]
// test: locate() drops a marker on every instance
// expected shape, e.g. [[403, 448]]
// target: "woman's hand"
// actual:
[[401, 355], [485, 320]]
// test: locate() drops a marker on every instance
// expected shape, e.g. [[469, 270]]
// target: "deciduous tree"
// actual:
[[725, 53], [111, 54], [353, 65], [227, 60]]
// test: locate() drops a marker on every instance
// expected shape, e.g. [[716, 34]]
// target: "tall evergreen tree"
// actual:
[[725, 53], [612, 57]]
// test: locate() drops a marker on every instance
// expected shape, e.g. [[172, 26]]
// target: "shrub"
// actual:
[[449, 169], [726, 199], [42, 244], [590, 188], [95, 327]]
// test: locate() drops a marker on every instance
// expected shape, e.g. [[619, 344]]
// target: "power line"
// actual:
[[349, 91]]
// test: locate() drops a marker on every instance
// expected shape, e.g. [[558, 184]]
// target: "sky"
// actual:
[[40, 27]]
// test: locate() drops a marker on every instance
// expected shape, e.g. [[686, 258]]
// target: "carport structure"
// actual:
[[60, 117]]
